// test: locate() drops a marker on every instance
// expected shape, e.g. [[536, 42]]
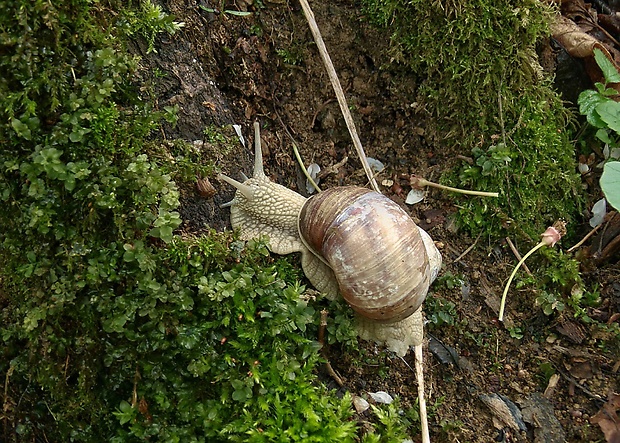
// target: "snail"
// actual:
[[353, 241], [204, 187]]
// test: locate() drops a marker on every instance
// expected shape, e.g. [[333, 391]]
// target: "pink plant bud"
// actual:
[[416, 182], [554, 233]]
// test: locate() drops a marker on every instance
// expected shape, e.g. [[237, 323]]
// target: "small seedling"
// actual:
[[419, 182], [549, 238], [226, 11]]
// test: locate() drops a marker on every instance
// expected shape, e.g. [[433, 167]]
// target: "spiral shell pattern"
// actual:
[[373, 247]]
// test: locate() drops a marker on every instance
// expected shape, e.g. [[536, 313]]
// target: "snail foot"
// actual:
[[396, 336]]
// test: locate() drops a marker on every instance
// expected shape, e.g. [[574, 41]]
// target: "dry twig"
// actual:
[[342, 101], [584, 239], [515, 251], [468, 250]]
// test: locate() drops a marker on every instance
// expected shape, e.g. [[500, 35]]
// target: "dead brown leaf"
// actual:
[[581, 13], [607, 419], [606, 244], [580, 44], [576, 42], [581, 369], [573, 330]]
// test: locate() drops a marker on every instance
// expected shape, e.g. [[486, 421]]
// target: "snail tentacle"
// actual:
[[246, 190], [258, 153]]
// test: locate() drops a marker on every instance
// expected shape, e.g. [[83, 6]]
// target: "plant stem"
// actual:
[[423, 182], [303, 168], [342, 101], [514, 272], [419, 372]]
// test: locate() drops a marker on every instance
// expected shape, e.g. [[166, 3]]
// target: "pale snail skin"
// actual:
[[385, 283]]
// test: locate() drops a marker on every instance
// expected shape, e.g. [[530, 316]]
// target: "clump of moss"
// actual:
[[486, 95]]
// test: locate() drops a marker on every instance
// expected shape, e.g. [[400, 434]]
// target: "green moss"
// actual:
[[470, 56]]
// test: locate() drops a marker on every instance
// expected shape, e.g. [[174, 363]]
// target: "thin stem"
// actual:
[[342, 101], [322, 326], [303, 168], [515, 251], [419, 372], [514, 272], [583, 240], [423, 182]]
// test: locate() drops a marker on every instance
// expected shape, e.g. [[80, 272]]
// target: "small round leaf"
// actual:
[[610, 183]]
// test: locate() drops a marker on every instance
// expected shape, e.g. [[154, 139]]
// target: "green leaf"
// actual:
[[125, 413], [165, 233], [21, 129], [610, 183], [237, 13], [609, 112], [610, 72], [603, 135], [588, 101]]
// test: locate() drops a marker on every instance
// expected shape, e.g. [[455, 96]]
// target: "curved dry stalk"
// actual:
[[584, 239], [549, 238], [342, 101], [303, 168], [502, 305]]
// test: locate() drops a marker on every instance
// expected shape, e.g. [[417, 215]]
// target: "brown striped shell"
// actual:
[[373, 247]]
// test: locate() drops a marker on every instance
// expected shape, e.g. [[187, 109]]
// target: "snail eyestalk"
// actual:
[[246, 190], [258, 153], [419, 182], [549, 238]]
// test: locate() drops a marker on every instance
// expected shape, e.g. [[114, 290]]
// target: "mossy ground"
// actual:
[[486, 95], [114, 328]]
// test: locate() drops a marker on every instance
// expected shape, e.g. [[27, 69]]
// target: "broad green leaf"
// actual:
[[610, 183], [603, 135], [588, 101], [21, 129], [610, 72], [609, 112], [76, 136], [165, 233]]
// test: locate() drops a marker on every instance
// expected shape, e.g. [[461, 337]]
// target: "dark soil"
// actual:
[[225, 69]]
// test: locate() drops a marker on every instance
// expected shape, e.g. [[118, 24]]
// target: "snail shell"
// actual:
[[374, 248], [204, 187]]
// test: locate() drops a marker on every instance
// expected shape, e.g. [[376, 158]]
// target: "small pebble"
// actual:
[[381, 397], [360, 404]]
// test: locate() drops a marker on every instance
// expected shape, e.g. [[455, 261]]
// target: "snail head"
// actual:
[[261, 206], [248, 190]]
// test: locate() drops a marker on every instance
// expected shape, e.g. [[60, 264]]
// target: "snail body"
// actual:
[[354, 242]]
